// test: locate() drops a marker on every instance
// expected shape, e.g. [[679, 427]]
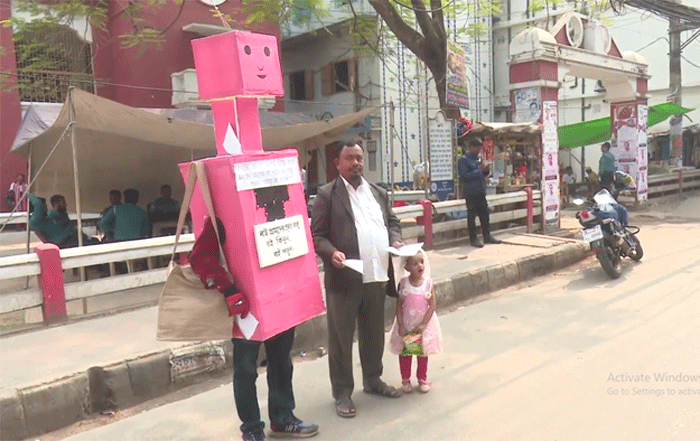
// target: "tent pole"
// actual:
[[29, 179], [76, 179]]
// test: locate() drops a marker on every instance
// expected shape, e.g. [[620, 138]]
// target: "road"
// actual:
[[571, 356]]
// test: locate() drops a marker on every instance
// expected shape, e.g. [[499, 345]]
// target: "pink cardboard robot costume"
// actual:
[[258, 196], [259, 199]]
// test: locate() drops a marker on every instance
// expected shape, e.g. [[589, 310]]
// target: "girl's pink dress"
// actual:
[[414, 307]]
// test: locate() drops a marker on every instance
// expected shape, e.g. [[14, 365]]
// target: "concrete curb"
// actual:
[[37, 409]]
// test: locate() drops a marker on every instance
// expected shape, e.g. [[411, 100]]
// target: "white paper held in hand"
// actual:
[[406, 250], [354, 264], [247, 325]]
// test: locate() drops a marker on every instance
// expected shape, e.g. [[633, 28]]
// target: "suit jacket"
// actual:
[[333, 228]]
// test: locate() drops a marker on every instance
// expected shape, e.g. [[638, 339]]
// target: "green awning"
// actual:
[[598, 130]]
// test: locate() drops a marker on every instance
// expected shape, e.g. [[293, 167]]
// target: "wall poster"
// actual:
[[550, 166]]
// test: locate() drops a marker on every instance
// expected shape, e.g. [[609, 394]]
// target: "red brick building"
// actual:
[[138, 76]]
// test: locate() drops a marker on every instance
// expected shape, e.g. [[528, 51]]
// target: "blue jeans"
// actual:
[[621, 214], [280, 402]]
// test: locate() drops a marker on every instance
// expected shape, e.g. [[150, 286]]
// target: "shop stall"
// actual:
[[515, 151]]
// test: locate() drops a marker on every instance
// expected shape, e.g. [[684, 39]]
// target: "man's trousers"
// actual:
[[362, 304], [477, 206], [279, 380]]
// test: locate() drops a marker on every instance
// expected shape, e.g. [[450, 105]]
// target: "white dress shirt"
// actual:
[[372, 234]]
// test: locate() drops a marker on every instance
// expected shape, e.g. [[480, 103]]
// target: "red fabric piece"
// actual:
[[204, 259], [238, 304]]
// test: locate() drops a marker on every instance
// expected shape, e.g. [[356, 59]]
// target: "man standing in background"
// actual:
[[472, 173], [606, 166]]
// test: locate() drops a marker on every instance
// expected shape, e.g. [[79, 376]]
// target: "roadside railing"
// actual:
[[674, 183], [424, 221]]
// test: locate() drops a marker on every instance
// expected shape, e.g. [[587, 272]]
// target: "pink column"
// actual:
[[427, 221], [51, 282]]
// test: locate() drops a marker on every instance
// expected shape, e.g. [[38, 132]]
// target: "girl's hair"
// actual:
[[409, 259]]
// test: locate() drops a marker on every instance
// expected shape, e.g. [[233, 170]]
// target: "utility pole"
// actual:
[[676, 88]]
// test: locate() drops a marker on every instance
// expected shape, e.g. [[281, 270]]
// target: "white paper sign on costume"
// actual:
[[281, 240], [267, 173]]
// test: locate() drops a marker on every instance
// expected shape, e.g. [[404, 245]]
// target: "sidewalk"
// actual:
[[53, 377]]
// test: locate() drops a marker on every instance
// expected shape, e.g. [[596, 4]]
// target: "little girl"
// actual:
[[415, 317]]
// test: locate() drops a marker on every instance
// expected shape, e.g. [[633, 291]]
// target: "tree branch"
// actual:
[[438, 17], [423, 19], [413, 40]]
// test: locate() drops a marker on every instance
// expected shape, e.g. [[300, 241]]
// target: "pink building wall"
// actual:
[[10, 111], [149, 70]]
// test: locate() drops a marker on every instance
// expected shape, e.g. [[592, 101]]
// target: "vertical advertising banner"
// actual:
[[440, 132], [457, 92], [527, 105], [550, 165], [642, 153], [624, 140], [487, 150]]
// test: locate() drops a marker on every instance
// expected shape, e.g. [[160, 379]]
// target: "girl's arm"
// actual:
[[399, 313], [429, 313]]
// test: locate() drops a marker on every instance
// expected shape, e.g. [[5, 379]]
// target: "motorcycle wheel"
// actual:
[[611, 263], [638, 252]]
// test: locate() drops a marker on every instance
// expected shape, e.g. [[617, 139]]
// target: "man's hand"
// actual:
[[397, 244], [338, 259], [237, 303]]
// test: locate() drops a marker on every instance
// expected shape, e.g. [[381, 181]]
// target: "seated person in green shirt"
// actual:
[[164, 207], [54, 225], [115, 199], [126, 221]]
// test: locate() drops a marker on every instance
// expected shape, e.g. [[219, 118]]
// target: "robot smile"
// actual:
[[262, 77]]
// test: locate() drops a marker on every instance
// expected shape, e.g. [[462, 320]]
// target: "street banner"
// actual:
[[624, 142], [642, 153], [550, 166], [527, 105], [440, 131], [457, 92]]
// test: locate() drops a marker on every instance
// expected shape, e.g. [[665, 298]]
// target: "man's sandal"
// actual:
[[344, 407], [383, 390]]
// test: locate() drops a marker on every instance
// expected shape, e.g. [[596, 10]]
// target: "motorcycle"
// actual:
[[605, 229]]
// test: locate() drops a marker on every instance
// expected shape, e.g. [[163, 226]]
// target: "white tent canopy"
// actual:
[[120, 147]]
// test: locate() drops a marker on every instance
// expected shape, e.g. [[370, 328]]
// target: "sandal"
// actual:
[[384, 390], [406, 387], [424, 386], [344, 407]]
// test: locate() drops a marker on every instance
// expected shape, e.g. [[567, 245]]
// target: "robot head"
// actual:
[[237, 63]]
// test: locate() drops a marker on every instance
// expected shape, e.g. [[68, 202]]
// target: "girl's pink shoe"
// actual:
[[406, 387], [424, 386]]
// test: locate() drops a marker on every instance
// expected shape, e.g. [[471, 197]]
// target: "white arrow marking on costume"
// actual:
[[231, 143]]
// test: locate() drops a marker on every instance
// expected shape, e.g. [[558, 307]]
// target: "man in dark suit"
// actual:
[[353, 219]]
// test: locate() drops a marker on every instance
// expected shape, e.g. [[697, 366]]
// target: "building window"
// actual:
[[372, 155], [50, 59], [340, 77], [301, 85]]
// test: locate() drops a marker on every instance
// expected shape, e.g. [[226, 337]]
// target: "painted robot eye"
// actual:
[[267, 51], [247, 50]]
